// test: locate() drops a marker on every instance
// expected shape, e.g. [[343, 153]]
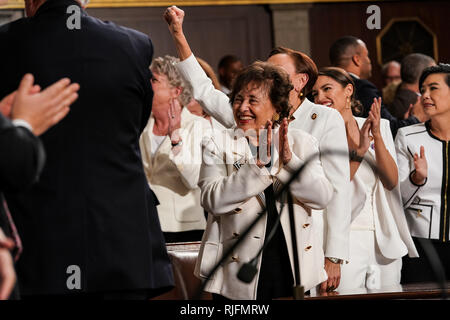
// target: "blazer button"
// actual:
[[314, 116], [306, 225], [234, 258], [308, 248]]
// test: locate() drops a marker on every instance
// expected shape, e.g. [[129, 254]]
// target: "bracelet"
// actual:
[[354, 156]]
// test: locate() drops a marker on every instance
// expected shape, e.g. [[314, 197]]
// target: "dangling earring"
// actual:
[[348, 105], [301, 94]]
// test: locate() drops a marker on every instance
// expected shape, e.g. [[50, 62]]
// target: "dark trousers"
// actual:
[[420, 269]]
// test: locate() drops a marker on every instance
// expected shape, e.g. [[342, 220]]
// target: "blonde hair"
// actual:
[[166, 66]]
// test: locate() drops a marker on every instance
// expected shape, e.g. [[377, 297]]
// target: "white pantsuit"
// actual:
[[379, 235]]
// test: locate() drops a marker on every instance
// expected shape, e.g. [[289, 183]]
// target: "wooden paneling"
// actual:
[[330, 21], [211, 31]]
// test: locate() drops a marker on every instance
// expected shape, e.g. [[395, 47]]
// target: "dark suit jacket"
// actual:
[[21, 161], [366, 92], [92, 207]]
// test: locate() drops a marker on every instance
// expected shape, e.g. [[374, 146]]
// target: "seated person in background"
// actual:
[[171, 154], [351, 54], [379, 235], [236, 185], [229, 67], [390, 73], [425, 188], [406, 100]]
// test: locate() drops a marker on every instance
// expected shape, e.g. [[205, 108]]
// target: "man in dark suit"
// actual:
[[351, 54], [90, 226], [24, 114]]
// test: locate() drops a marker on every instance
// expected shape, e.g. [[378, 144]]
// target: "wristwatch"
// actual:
[[179, 143], [335, 260]]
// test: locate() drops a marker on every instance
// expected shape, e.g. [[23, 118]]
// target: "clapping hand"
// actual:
[[45, 108], [375, 116], [285, 151]]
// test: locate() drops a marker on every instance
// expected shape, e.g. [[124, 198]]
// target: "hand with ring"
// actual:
[[174, 114]]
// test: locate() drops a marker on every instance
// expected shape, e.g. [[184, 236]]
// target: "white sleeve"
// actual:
[[337, 170], [405, 167], [213, 101]]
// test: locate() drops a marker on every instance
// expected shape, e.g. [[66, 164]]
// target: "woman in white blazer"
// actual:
[[379, 235], [424, 162], [236, 186], [171, 154], [325, 124]]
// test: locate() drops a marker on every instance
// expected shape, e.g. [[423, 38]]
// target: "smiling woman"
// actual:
[[426, 189], [260, 94], [234, 191], [378, 222]]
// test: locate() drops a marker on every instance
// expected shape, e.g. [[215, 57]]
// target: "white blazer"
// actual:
[[174, 178], [230, 195], [324, 124], [391, 229]]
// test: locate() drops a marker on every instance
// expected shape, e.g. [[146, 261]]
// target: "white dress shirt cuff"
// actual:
[[22, 123]]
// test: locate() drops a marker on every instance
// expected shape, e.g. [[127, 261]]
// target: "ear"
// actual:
[[348, 90], [304, 79], [176, 91], [299, 81], [356, 59]]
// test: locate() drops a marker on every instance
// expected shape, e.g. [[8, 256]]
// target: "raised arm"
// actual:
[[213, 101]]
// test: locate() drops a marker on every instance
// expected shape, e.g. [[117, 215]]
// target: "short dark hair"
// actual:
[[343, 78], [303, 64], [273, 78], [225, 61], [443, 68], [413, 65], [339, 48]]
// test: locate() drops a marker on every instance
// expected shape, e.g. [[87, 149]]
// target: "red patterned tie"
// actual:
[[14, 232]]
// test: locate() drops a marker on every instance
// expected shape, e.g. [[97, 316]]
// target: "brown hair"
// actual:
[[303, 64], [343, 78], [273, 79]]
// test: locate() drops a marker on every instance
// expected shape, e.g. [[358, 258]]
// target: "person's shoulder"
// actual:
[[412, 130], [115, 31], [13, 26]]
